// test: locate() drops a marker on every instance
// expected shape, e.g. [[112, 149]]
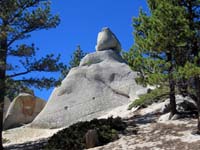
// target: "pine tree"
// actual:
[[150, 68], [78, 54], [18, 18], [191, 69], [163, 35], [172, 31], [76, 57]]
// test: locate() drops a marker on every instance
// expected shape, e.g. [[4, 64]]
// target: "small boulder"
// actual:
[[164, 117], [107, 40], [183, 104], [23, 109], [91, 138]]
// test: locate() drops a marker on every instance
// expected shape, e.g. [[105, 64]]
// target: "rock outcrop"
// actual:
[[101, 82], [23, 109]]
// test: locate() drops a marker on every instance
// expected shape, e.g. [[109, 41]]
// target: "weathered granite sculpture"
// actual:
[[23, 109], [101, 82], [107, 40]]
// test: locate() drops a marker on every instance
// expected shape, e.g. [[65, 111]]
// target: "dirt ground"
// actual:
[[145, 132], [155, 135]]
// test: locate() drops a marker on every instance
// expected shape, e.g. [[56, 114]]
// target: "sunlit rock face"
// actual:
[[22, 110], [101, 82], [107, 40]]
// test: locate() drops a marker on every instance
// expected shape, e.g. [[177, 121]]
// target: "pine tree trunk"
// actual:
[[172, 97], [2, 94], [195, 52], [3, 54], [197, 89]]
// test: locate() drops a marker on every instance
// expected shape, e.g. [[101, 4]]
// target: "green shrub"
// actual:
[[155, 95], [72, 138]]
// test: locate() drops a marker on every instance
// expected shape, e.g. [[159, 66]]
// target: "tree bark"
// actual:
[[197, 89], [172, 97], [195, 51], [3, 54]]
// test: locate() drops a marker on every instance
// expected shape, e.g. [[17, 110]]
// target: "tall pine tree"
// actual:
[[171, 33], [191, 69], [163, 35], [18, 18]]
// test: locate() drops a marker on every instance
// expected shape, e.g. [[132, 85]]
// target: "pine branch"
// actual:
[[22, 9], [39, 82], [20, 35], [19, 74]]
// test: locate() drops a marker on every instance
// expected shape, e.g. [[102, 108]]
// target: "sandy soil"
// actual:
[[154, 135], [151, 134], [26, 134]]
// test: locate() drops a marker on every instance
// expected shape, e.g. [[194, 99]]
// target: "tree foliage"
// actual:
[[155, 95], [151, 70], [18, 18], [75, 60], [76, 57], [169, 38], [160, 36], [73, 137]]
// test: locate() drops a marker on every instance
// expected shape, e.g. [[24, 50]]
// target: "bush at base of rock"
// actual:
[[147, 99], [73, 137]]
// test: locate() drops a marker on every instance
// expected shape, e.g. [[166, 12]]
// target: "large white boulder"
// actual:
[[23, 109], [103, 81], [107, 40]]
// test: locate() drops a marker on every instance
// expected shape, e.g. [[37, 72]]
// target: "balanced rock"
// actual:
[[23, 109], [107, 40], [102, 82]]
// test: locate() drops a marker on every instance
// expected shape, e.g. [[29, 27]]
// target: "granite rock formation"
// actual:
[[22, 110], [101, 82]]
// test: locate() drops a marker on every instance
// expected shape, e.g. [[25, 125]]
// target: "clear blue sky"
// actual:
[[81, 20]]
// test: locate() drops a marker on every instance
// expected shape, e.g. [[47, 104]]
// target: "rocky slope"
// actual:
[[157, 135], [152, 134]]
